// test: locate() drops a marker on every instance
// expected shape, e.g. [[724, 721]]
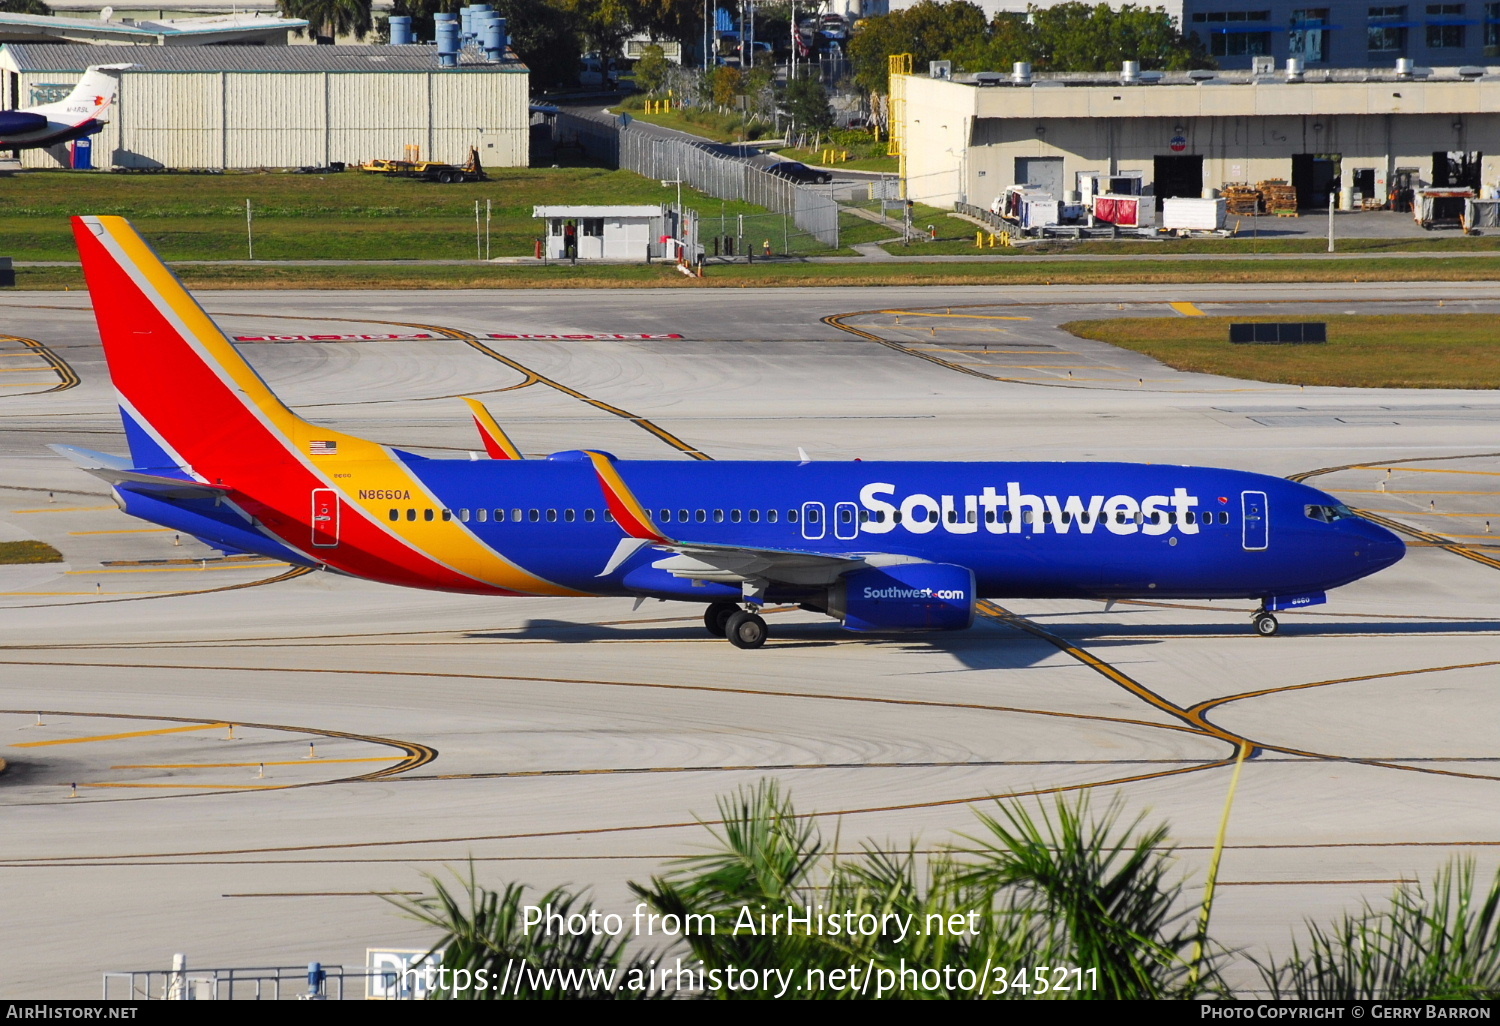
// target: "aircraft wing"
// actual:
[[118, 470], [728, 564]]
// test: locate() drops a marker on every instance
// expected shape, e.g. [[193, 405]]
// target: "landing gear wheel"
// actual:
[[716, 617], [745, 630], [1266, 625]]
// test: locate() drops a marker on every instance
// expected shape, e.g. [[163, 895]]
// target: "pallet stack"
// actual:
[[1240, 200], [1280, 198]]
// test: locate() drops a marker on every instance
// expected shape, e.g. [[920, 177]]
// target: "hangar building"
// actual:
[[281, 106], [1369, 131]]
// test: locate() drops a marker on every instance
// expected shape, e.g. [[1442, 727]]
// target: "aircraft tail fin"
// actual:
[[188, 398], [91, 97], [496, 442]]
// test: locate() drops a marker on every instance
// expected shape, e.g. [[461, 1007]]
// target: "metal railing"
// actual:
[[254, 983]]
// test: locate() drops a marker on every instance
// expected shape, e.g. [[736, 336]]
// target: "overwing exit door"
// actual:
[[325, 518]]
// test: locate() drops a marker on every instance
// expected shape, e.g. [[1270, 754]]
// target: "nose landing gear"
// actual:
[[1266, 625]]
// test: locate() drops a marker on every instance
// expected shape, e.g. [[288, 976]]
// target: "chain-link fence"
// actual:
[[718, 170]]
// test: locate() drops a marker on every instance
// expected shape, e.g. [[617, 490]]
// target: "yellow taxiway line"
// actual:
[[118, 737]]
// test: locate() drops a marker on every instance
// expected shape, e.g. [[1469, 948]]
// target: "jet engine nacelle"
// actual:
[[907, 597]]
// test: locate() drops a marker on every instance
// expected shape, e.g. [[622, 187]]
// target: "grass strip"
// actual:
[[1363, 351], [29, 551]]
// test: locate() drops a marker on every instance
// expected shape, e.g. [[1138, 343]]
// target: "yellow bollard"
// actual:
[[979, 240]]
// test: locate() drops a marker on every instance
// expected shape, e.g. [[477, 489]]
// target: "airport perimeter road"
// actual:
[[381, 734]]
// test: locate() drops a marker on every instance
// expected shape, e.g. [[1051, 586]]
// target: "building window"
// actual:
[[1386, 36], [1445, 27], [592, 227], [1491, 30], [1236, 33], [1309, 35]]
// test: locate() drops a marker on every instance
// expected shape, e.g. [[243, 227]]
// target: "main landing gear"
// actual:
[[1266, 625], [743, 628]]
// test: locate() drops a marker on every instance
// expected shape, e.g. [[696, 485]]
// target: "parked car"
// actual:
[[799, 173]]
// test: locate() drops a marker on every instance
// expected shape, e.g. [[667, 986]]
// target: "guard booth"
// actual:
[[601, 233]]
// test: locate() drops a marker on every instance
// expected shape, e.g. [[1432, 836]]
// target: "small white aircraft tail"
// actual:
[[90, 99]]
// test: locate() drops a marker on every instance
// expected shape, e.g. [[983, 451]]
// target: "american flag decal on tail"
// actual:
[[322, 448]]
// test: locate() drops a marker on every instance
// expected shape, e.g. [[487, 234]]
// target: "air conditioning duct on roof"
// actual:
[[1293, 69], [1130, 72], [1020, 73], [1404, 67]]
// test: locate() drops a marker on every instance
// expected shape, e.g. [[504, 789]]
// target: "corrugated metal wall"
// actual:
[[284, 119]]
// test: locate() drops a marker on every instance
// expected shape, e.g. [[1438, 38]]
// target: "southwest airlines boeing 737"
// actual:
[[877, 546]]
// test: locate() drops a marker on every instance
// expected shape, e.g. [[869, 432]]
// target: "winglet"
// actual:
[[496, 442], [627, 510]]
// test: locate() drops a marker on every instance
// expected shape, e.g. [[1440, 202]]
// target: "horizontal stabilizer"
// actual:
[[118, 470]]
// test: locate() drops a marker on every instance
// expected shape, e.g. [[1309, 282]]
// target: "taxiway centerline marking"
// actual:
[[118, 737]]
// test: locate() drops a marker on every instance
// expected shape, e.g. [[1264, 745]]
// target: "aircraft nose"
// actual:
[[1380, 548]]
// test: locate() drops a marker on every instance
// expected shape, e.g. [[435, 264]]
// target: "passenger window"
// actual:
[[447, 515], [1223, 518], [609, 517], [533, 515], [953, 516], [1171, 518], [1007, 516], [411, 514], [989, 516], [666, 516], [427, 515], [499, 516], [718, 516], [864, 516], [771, 515], [484, 515], [552, 516], [1189, 518], [682, 516], [1046, 518], [791, 516], [846, 516], [973, 516], [395, 515], [896, 517], [701, 516], [1067, 518], [1083, 518], [734, 516], [515, 515], [463, 515], [588, 515], [1027, 517], [813, 516], [569, 515], [754, 515]]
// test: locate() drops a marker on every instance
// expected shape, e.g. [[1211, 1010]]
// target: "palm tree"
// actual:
[[329, 19]]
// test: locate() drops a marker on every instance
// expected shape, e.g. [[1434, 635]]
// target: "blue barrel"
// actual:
[[491, 39], [466, 22], [447, 41], [400, 30], [504, 36]]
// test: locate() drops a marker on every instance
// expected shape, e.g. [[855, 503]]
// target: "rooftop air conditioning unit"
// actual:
[[1263, 65], [940, 69]]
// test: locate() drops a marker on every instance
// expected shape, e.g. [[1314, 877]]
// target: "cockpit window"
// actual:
[[1328, 514]]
